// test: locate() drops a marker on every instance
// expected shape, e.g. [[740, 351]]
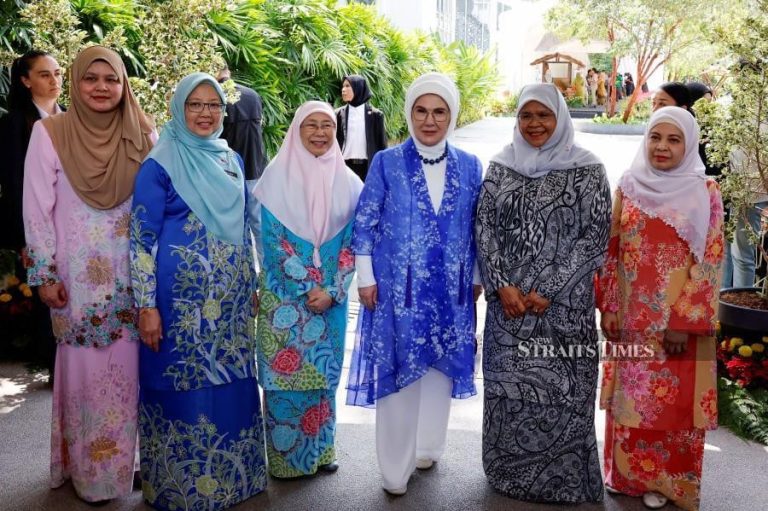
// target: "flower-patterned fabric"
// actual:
[[301, 428], [93, 433], [93, 430], [84, 248], [300, 353], [201, 285], [200, 426], [200, 453], [652, 281], [423, 263]]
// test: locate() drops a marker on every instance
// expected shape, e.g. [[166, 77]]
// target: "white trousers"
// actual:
[[412, 424]]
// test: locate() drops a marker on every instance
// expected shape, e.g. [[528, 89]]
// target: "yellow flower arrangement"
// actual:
[[5, 297], [745, 351], [736, 342], [25, 290], [757, 348]]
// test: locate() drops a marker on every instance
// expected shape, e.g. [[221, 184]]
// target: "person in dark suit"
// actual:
[[243, 131], [359, 127], [36, 80]]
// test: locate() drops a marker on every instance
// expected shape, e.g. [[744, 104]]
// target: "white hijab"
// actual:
[[679, 196], [440, 85], [313, 197], [560, 152]]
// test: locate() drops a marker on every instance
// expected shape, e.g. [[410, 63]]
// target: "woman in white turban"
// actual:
[[415, 254]]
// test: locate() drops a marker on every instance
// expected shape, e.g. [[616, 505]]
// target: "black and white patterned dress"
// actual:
[[548, 234]]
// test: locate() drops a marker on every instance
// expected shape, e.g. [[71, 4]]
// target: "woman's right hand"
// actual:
[[150, 327], [609, 322], [368, 296], [512, 301], [53, 295]]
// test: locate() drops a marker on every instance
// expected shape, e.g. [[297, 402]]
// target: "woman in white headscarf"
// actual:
[[415, 255], [542, 229], [308, 197], [658, 297]]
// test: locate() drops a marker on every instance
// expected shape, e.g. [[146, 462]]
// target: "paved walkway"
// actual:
[[735, 472]]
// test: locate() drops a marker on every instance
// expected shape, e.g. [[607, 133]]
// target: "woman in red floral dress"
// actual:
[[657, 293]]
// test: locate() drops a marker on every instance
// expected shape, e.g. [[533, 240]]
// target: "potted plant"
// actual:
[[737, 137]]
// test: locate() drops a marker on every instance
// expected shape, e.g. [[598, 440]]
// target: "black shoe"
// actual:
[[137, 480], [330, 467]]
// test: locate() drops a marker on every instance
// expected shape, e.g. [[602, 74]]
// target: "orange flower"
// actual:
[[102, 449], [646, 464], [122, 224], [99, 270]]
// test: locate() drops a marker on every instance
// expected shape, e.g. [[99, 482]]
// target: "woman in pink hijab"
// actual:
[[307, 199]]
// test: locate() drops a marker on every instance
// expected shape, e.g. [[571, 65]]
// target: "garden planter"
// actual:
[[740, 320]]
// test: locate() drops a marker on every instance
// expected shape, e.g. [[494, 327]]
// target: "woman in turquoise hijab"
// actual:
[[193, 277]]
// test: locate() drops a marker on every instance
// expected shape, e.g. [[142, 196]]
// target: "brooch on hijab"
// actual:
[[434, 161]]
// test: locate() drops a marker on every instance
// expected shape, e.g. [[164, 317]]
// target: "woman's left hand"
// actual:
[[318, 301], [675, 342], [477, 290], [536, 303]]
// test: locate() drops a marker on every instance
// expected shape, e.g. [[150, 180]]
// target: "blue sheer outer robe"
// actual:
[[423, 263]]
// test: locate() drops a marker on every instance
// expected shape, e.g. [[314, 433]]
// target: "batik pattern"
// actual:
[[548, 234]]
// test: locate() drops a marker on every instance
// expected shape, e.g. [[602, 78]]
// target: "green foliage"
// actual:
[[601, 61], [640, 114], [504, 106], [289, 51], [652, 32], [475, 76], [743, 411], [738, 132]]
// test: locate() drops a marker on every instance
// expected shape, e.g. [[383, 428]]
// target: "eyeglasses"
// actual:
[[312, 127], [527, 117], [438, 114], [197, 107]]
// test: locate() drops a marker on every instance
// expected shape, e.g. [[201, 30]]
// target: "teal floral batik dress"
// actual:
[[200, 425], [300, 353]]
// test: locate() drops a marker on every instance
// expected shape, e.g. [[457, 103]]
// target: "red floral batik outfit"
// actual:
[[658, 405]]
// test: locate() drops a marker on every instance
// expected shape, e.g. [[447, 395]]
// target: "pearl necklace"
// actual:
[[434, 161]]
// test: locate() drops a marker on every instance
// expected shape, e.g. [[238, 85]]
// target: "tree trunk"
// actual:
[[641, 78], [614, 70]]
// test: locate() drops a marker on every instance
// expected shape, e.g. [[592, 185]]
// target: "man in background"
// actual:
[[242, 129]]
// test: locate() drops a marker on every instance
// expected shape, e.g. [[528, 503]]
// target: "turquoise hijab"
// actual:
[[204, 171]]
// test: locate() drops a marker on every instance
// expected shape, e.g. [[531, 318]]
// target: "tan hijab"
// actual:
[[100, 152]]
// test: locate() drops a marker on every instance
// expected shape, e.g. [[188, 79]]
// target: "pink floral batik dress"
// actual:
[[95, 394], [658, 405]]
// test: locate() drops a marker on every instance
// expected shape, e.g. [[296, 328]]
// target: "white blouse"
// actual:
[[354, 143]]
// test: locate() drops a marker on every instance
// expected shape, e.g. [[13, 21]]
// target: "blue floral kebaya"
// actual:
[[423, 262]]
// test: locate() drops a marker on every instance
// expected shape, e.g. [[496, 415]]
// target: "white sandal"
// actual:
[[653, 500], [424, 463]]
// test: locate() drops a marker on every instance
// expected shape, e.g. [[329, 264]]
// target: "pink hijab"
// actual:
[[314, 197]]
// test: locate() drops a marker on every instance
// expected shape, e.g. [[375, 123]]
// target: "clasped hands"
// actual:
[[516, 304], [318, 300]]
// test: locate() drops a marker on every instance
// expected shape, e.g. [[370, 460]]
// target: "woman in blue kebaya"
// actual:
[[415, 256], [201, 432]]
